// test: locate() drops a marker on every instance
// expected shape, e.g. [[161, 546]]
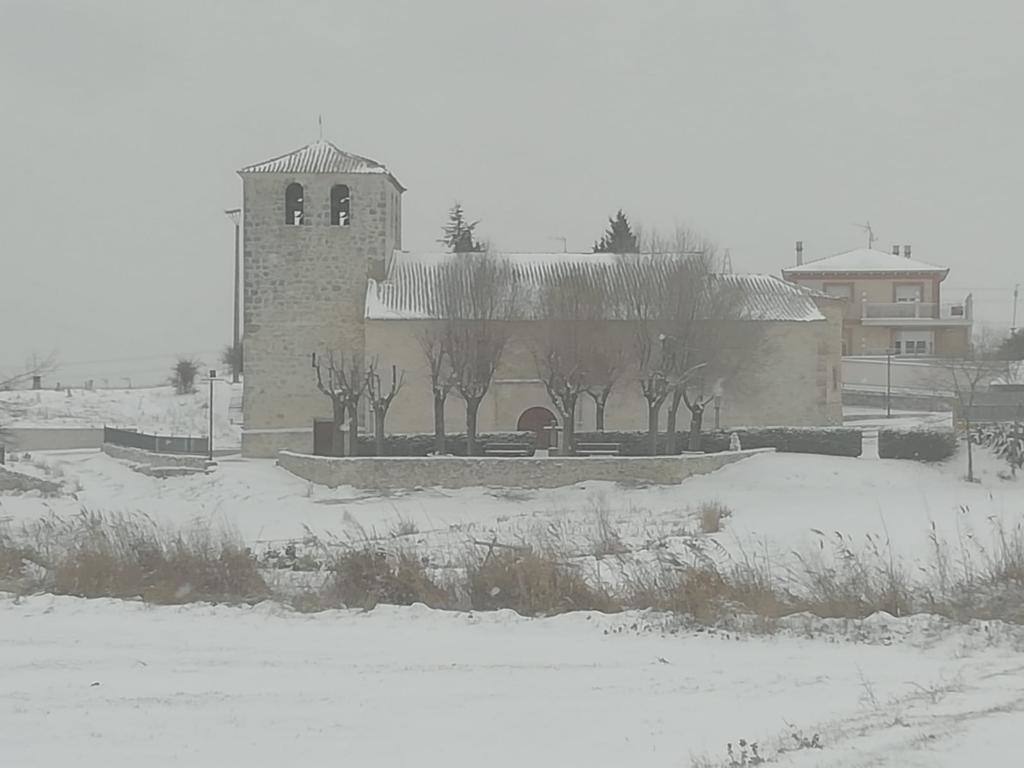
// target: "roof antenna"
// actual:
[[866, 226], [320, 123]]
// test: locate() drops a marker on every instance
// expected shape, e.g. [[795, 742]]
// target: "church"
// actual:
[[324, 271]]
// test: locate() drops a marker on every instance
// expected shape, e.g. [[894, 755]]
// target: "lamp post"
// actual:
[[888, 382], [1013, 326], [209, 439], [235, 215]]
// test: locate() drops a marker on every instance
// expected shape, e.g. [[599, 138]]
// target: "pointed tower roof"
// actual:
[[320, 157], [865, 261]]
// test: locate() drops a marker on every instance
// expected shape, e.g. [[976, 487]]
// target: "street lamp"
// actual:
[[235, 214], [888, 382], [1013, 326], [209, 439]]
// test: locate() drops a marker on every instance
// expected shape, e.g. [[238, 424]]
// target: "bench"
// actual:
[[597, 449], [506, 449]]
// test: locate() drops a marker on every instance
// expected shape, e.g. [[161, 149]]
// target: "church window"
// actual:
[[293, 204], [341, 204]]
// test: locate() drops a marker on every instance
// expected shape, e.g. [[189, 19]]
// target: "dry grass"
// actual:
[[561, 568], [533, 583], [366, 576], [711, 514], [93, 555]]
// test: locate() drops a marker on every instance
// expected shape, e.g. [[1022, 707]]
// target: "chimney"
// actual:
[[799, 252], [906, 251], [895, 250]]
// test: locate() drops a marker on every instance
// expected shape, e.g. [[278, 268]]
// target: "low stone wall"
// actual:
[[53, 438], [268, 443], [21, 483], [139, 456], [391, 472]]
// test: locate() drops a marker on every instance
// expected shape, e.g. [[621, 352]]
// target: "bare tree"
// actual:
[[344, 386], [433, 342], [479, 301], [605, 367], [380, 399], [568, 340], [969, 375], [643, 282]]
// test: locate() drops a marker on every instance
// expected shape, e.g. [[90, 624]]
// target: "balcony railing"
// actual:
[[916, 310]]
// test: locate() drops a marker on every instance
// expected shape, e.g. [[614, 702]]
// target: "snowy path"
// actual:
[[102, 683]]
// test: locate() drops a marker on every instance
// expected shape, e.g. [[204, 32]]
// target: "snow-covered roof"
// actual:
[[865, 260], [415, 284], [319, 157]]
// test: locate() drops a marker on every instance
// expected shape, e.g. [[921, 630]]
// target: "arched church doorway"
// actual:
[[537, 420]]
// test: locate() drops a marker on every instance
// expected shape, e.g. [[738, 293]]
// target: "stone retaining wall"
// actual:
[[18, 482], [139, 456], [394, 472], [23, 439]]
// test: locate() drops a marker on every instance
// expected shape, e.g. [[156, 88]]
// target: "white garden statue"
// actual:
[[734, 442]]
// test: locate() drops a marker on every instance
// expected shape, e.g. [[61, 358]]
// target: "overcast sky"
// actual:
[[759, 123]]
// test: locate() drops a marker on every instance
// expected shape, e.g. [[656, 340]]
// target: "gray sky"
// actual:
[[757, 122]]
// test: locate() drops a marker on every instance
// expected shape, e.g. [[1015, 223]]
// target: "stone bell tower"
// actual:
[[318, 222]]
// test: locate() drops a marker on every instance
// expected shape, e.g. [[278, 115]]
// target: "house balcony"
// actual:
[[917, 313]]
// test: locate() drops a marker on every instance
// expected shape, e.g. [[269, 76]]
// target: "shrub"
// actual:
[[826, 441], [183, 375], [1004, 440], [829, 441], [91, 555], [422, 444], [711, 514], [366, 576], [917, 444], [532, 583]]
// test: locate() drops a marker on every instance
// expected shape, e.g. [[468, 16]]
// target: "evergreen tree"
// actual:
[[1012, 347], [619, 237], [459, 236]]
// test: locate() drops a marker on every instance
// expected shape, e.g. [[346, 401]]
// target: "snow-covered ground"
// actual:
[[154, 410], [778, 501], [126, 684], [106, 684]]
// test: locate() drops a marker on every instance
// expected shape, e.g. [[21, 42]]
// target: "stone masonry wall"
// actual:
[[304, 292], [460, 472], [793, 380], [139, 456]]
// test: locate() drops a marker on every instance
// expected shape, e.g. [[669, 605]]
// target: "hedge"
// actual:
[[829, 441], [917, 444], [422, 444]]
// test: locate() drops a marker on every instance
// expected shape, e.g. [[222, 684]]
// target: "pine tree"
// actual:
[[1012, 347], [619, 237], [459, 233]]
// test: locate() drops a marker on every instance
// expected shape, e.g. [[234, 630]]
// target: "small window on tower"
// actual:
[[293, 204], [341, 204]]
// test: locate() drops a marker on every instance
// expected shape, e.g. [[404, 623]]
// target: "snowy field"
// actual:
[[779, 502], [154, 410], [127, 684], [102, 684]]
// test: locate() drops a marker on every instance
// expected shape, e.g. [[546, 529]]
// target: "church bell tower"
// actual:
[[317, 223]]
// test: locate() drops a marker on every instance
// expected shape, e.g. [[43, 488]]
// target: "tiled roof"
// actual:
[[318, 157], [865, 260], [416, 284]]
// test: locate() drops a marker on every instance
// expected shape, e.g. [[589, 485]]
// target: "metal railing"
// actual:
[[918, 310], [155, 443]]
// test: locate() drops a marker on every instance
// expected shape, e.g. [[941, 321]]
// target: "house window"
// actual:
[[839, 290], [341, 206], [909, 293], [914, 342], [293, 204]]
